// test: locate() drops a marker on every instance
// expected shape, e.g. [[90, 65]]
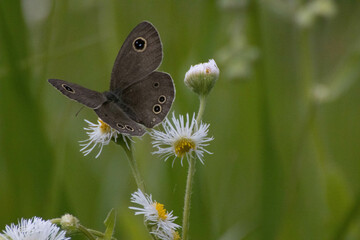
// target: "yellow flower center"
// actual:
[[176, 236], [207, 70], [161, 210], [104, 127], [183, 146]]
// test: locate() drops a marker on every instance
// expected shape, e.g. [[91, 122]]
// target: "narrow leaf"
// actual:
[[110, 224]]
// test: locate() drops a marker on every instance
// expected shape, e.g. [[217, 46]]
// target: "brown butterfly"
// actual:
[[139, 95]]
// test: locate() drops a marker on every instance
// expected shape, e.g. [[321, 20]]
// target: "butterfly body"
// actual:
[[138, 95]]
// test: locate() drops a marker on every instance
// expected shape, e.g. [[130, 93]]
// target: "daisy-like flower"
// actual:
[[181, 139], [99, 135], [154, 212], [201, 78], [168, 235], [33, 229]]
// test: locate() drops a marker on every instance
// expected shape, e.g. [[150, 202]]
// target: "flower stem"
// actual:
[[136, 173], [190, 178], [85, 231], [187, 200], [98, 234], [201, 108], [134, 168], [90, 233]]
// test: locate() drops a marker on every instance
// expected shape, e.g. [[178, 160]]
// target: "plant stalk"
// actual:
[[135, 169], [85, 231], [190, 177], [201, 109]]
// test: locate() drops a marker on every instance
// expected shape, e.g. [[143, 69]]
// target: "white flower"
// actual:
[[167, 234], [154, 212], [201, 78], [34, 229], [181, 139], [99, 135]]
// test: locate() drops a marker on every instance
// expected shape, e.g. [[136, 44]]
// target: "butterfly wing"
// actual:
[[113, 115], [149, 100], [89, 98], [140, 55]]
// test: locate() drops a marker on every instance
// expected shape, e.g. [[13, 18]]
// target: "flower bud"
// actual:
[[69, 222], [201, 78]]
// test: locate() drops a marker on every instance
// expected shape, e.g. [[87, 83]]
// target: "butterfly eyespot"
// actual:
[[68, 88], [120, 125], [162, 99], [157, 109], [129, 128], [139, 44], [156, 84]]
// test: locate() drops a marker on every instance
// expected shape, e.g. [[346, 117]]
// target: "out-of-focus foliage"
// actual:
[[285, 115]]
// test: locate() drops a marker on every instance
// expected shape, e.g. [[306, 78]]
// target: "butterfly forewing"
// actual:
[[89, 98], [140, 55], [150, 99]]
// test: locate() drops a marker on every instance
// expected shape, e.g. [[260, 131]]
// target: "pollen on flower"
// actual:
[[176, 235], [104, 127], [208, 70], [100, 134], [183, 146], [161, 210]]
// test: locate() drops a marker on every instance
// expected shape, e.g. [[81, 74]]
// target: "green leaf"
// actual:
[[110, 224]]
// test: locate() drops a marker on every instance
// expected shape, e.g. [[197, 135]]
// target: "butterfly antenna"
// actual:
[[79, 111]]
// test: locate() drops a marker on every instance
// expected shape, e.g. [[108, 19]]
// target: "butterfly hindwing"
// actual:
[[140, 55], [150, 99], [114, 116], [89, 98]]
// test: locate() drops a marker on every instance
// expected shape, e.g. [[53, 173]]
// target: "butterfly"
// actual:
[[139, 95]]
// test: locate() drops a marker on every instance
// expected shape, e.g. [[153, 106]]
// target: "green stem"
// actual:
[[55, 220], [187, 200], [134, 168], [98, 234], [82, 229], [201, 109], [190, 177], [86, 232], [135, 171], [306, 64]]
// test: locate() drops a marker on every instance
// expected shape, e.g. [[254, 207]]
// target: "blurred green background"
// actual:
[[285, 114]]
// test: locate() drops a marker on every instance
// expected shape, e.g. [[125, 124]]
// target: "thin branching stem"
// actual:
[[86, 232], [98, 234]]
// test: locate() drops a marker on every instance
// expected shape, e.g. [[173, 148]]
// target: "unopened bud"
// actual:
[[69, 222], [201, 78]]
